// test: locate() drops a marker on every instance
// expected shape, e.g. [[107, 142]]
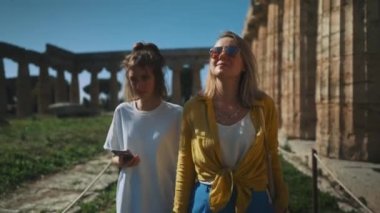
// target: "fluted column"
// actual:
[[196, 87], [3, 93], [94, 89], [23, 89], [74, 86], [43, 88], [347, 86], [274, 52], [176, 83], [372, 86], [60, 90], [113, 95]]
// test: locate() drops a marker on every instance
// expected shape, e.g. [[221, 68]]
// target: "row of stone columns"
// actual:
[[281, 38], [319, 61], [177, 68], [24, 91], [3, 95], [25, 94], [347, 95]]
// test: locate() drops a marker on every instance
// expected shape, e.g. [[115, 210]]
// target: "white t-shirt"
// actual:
[[154, 136], [236, 139]]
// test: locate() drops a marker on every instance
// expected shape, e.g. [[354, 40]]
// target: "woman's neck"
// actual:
[[227, 91], [148, 104]]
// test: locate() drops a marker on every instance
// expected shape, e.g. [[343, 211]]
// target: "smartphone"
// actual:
[[126, 155]]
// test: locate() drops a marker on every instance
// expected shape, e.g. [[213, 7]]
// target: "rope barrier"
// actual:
[[341, 184], [87, 188]]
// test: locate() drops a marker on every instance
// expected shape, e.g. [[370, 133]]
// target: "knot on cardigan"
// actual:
[[221, 189]]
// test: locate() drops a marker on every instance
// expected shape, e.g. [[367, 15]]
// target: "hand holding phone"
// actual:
[[126, 155], [126, 158]]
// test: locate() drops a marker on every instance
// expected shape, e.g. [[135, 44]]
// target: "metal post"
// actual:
[[315, 181]]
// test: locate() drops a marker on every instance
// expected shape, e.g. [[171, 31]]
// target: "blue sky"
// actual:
[[112, 25]]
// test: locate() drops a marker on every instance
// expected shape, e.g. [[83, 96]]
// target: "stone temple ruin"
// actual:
[[319, 60], [35, 94]]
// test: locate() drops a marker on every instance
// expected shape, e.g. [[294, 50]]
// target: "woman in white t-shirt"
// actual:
[[144, 136]]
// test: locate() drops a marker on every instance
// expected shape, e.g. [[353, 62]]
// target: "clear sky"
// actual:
[[112, 25]]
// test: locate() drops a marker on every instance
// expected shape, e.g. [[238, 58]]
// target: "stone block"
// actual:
[[63, 110]]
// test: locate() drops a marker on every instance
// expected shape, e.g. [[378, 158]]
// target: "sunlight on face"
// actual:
[[225, 65], [142, 82]]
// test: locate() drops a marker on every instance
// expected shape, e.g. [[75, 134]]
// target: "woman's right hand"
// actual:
[[120, 161]]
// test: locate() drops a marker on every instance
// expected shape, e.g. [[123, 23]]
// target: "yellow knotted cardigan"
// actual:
[[200, 158]]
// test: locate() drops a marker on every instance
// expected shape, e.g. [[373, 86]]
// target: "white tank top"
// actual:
[[235, 140]]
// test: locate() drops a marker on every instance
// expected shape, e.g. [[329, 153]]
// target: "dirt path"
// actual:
[[55, 192]]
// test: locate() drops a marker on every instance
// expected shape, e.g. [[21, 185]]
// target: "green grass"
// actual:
[[104, 203], [38, 146], [300, 192]]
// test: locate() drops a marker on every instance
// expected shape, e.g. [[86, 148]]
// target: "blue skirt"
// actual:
[[199, 202]]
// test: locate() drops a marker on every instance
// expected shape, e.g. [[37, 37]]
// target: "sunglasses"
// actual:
[[230, 51]]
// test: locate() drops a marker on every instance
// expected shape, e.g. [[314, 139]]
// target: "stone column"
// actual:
[[288, 73], [176, 83], [94, 89], [328, 85], [261, 56], [23, 89], [3, 91], [308, 21], [60, 86], [74, 86], [113, 95], [359, 86], [196, 69], [43, 87], [372, 87], [322, 128], [290, 67], [274, 52]]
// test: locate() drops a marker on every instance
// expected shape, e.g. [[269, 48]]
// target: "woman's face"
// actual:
[[142, 82], [225, 59]]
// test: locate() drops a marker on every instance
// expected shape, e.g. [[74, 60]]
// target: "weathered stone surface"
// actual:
[[326, 59]]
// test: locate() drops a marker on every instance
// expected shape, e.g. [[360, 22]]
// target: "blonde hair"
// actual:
[[145, 55], [248, 85]]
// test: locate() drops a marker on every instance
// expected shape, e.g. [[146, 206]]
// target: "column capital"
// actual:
[[75, 70], [175, 66], [94, 70], [197, 66], [114, 68]]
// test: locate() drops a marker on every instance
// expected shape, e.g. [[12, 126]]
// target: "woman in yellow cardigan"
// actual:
[[227, 135]]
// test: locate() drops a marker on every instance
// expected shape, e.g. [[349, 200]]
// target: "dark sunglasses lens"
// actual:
[[215, 51], [232, 51]]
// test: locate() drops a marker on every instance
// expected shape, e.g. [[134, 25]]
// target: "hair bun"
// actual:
[[138, 46]]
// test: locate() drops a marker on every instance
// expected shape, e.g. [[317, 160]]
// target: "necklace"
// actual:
[[224, 115]]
